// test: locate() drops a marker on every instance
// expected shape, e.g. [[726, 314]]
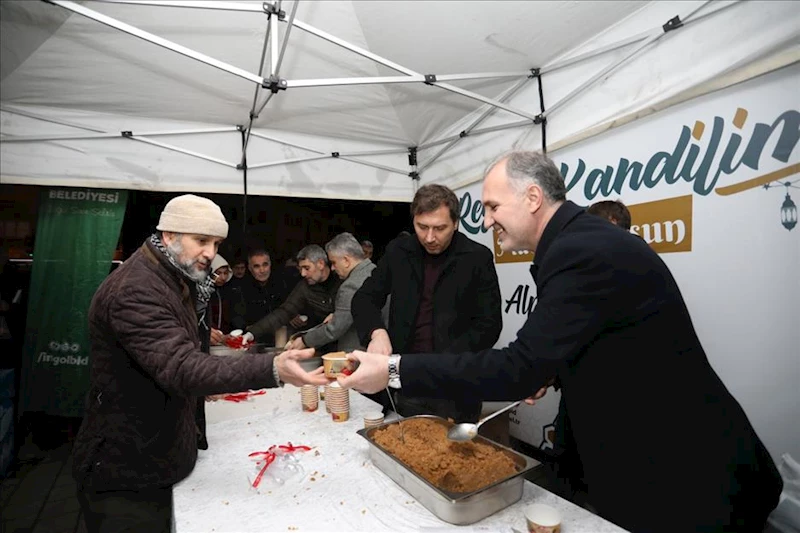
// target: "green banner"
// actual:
[[76, 235]]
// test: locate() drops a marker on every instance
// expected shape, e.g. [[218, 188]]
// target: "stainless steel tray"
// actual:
[[455, 508]]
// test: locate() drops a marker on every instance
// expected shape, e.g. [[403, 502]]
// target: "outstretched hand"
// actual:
[[372, 374], [290, 371]]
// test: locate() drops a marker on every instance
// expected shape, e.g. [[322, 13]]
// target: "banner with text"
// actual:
[[76, 234]]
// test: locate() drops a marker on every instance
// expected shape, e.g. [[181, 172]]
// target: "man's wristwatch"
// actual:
[[394, 371]]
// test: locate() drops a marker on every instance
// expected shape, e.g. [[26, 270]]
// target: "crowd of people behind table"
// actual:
[[610, 329]]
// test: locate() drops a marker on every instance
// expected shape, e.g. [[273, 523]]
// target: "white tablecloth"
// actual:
[[340, 489]]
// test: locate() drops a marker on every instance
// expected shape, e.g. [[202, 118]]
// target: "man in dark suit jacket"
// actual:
[[445, 298], [664, 446]]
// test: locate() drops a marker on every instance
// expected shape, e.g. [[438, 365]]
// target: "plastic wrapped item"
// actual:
[[786, 516], [276, 466]]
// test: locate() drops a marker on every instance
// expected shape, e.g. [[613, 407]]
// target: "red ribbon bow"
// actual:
[[243, 396], [268, 457]]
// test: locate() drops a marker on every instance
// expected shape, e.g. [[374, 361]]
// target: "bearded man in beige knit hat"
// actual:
[[148, 329]]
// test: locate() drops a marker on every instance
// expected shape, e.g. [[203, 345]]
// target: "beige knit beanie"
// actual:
[[193, 214]]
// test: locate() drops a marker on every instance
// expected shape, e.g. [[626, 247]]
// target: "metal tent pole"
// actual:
[[430, 78], [370, 80], [375, 152], [220, 6], [374, 165], [561, 63], [58, 137], [84, 136], [290, 161], [613, 66], [164, 43], [451, 141], [253, 114], [127, 135], [323, 155], [511, 91], [47, 119], [286, 143]]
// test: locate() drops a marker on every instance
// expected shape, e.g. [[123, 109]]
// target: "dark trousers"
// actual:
[[132, 511]]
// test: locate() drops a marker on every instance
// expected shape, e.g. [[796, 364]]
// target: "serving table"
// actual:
[[339, 490]]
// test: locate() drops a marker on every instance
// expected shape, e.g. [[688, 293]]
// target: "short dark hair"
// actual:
[[313, 253], [257, 251], [613, 211], [431, 197]]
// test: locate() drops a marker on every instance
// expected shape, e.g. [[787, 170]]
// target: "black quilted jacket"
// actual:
[[147, 370]]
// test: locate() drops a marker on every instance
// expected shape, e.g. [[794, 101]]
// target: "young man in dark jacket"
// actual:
[[445, 298], [612, 325], [147, 326]]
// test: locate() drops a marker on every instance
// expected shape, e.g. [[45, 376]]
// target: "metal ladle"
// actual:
[[399, 423], [467, 431]]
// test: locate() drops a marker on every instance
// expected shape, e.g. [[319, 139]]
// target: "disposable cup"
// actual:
[[542, 518]]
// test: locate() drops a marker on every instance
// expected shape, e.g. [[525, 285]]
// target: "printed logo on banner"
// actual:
[[666, 225], [699, 165]]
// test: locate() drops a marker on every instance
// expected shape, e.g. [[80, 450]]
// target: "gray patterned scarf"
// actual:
[[205, 288]]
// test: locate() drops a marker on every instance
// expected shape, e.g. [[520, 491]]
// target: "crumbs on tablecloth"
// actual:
[[323, 475], [226, 502], [293, 528], [363, 511], [313, 479], [341, 503], [316, 453]]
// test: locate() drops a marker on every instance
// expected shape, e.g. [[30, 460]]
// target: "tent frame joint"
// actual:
[[274, 84], [335, 155], [412, 156], [672, 24], [127, 134], [241, 166], [241, 127], [272, 9], [414, 175], [540, 119], [535, 73], [430, 79]]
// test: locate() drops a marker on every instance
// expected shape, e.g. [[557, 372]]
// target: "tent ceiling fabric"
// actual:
[[113, 72], [79, 76]]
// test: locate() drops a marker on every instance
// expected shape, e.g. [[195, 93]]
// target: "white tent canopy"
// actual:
[[160, 95]]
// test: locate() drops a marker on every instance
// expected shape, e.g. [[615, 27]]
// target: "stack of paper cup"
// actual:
[[337, 400], [372, 419], [324, 396], [309, 395]]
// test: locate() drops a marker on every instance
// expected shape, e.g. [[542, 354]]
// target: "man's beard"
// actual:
[[175, 249]]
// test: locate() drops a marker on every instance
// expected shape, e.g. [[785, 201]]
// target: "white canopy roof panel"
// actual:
[[67, 69]]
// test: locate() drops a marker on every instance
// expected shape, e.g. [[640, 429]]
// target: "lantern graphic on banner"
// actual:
[[788, 212], [788, 207]]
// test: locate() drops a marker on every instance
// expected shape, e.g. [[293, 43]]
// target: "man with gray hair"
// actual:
[[147, 326], [313, 296], [347, 259], [650, 417]]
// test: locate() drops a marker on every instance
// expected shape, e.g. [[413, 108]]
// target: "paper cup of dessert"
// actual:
[[337, 364]]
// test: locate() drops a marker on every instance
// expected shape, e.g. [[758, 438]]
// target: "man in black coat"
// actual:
[[445, 298], [663, 444]]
